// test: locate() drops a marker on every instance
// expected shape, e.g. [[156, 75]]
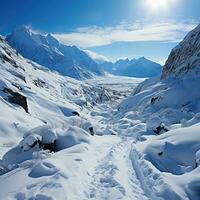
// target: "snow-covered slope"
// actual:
[[140, 68], [31, 95], [144, 145], [49, 52], [169, 107], [57, 158], [177, 90]]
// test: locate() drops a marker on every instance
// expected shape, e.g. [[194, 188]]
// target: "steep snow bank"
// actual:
[[171, 100], [43, 138]]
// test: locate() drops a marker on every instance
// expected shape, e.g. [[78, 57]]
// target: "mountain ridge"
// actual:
[[46, 50], [141, 67], [185, 57]]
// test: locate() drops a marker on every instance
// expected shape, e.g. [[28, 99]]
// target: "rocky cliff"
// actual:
[[184, 58]]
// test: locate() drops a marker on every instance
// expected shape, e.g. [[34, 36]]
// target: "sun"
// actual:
[[157, 5]]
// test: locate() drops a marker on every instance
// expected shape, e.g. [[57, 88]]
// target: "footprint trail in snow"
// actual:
[[114, 177]]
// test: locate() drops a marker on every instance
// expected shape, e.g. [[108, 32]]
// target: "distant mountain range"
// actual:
[[71, 61], [140, 67], [49, 52]]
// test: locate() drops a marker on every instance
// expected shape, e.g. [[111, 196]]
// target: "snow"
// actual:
[[140, 67], [184, 58], [71, 137], [49, 52], [43, 133], [55, 155], [57, 175], [182, 141]]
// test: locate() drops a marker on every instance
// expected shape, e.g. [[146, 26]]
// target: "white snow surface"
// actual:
[[124, 160]]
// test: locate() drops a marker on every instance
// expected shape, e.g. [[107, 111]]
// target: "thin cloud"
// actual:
[[127, 32], [97, 57]]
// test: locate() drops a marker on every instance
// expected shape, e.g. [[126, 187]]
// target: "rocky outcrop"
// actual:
[[17, 98], [184, 58]]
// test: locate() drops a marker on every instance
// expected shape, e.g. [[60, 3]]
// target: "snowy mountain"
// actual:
[[169, 107], [109, 137], [185, 57], [49, 52], [31, 95], [99, 59], [46, 126], [140, 68]]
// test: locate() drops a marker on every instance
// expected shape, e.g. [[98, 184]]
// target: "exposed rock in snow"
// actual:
[[43, 138], [185, 58], [17, 98], [197, 158], [155, 125]]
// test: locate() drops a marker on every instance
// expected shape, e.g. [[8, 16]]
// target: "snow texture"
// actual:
[[108, 137]]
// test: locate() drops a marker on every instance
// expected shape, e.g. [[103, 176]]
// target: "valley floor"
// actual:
[[114, 176], [101, 170], [109, 167]]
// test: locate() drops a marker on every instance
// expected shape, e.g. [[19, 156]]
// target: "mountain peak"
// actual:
[[123, 60], [46, 50], [22, 30], [52, 40], [143, 59], [51, 36], [24, 36]]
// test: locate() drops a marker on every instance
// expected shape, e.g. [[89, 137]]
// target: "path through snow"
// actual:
[[114, 177], [101, 170]]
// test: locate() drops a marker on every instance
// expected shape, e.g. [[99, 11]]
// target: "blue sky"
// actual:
[[112, 28]]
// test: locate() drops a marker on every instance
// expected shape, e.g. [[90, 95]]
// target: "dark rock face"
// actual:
[[17, 98], [91, 129], [11, 61], [76, 113], [39, 83], [160, 129], [185, 57], [156, 99], [3, 169], [50, 146]]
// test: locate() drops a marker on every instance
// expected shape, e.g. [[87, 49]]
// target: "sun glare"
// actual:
[[157, 5]]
